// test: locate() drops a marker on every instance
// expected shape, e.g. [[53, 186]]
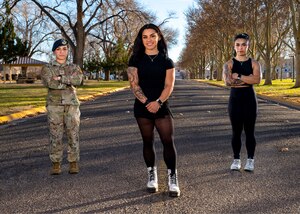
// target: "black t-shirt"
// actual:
[[152, 74]]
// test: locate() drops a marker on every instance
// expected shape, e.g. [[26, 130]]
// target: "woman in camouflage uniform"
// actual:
[[61, 79]]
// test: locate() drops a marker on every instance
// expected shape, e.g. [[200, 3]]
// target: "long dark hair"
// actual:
[[139, 48]]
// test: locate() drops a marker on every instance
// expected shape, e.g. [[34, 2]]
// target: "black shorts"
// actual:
[[141, 111]]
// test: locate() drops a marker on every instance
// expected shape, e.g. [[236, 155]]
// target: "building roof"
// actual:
[[25, 61]]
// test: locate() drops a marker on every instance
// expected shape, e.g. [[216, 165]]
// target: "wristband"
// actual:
[[159, 102], [147, 102]]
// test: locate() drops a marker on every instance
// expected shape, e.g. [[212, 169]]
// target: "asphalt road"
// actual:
[[113, 174]]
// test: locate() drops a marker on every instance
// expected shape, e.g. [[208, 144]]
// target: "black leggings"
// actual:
[[165, 129], [242, 112]]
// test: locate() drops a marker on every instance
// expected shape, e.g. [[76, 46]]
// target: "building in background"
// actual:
[[23, 70]]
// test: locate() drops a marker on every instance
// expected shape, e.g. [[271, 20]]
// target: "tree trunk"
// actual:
[[220, 66], [219, 72], [78, 54], [297, 62], [202, 71], [268, 79], [211, 72], [267, 57], [79, 36], [296, 32], [107, 74]]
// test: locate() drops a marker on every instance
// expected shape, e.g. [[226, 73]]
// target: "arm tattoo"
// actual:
[[226, 74], [134, 84], [226, 69]]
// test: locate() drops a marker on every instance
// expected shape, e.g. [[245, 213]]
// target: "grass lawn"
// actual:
[[279, 90], [19, 97]]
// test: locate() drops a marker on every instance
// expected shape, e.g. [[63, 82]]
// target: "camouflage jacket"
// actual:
[[63, 91]]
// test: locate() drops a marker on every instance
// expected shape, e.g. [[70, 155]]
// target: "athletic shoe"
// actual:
[[249, 165], [236, 164], [174, 190], [152, 185]]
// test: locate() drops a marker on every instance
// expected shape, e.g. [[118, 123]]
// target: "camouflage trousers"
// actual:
[[64, 118]]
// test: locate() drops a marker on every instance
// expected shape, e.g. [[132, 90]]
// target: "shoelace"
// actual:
[[151, 175], [250, 162], [173, 179], [236, 162]]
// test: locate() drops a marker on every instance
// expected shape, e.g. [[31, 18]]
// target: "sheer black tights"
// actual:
[[165, 129]]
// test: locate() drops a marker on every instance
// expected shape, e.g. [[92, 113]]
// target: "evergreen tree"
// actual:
[[116, 59], [11, 46]]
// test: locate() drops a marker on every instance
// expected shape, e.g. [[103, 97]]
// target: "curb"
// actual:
[[22, 114], [40, 110], [280, 101]]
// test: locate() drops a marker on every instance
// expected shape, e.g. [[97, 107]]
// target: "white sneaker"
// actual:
[[249, 165], [236, 164], [152, 185], [174, 190]]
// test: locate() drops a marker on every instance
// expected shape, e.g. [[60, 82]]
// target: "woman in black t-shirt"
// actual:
[[152, 75]]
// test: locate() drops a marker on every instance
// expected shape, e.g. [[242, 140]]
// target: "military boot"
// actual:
[[74, 169], [56, 170]]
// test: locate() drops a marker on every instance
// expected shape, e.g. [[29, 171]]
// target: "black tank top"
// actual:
[[243, 68]]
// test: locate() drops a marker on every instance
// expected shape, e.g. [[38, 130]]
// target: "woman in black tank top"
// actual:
[[240, 74]]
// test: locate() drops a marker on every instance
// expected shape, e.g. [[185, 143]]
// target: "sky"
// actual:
[[161, 9]]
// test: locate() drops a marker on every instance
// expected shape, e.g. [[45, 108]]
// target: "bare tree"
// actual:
[[210, 35], [265, 21], [104, 39], [12, 4], [77, 19], [269, 28], [32, 27], [295, 20]]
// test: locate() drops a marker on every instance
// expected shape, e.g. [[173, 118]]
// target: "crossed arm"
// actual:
[[54, 81], [253, 78], [231, 79], [227, 74]]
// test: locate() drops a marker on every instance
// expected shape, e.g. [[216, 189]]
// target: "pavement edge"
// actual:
[[40, 110]]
